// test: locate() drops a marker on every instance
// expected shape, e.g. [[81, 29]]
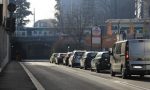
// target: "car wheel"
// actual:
[[85, 68], [80, 67], [91, 69], [112, 73], [72, 65], [124, 73], [142, 75], [97, 69]]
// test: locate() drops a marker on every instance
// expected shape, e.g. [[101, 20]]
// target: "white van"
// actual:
[[131, 57]]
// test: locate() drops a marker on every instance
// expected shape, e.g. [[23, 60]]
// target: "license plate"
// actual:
[[138, 67]]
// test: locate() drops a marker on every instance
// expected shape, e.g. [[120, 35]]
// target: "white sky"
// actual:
[[44, 9]]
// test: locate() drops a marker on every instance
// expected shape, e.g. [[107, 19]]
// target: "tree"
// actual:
[[22, 12]]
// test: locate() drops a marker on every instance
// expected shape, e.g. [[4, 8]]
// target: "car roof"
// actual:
[[130, 40], [102, 52]]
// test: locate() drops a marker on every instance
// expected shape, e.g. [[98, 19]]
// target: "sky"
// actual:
[[44, 9]]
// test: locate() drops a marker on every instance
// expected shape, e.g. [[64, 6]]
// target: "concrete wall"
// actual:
[[4, 40]]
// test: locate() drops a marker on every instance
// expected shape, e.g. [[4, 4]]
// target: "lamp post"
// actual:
[[101, 40], [68, 47], [91, 41]]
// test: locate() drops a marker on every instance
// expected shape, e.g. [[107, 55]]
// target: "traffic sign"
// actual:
[[11, 7]]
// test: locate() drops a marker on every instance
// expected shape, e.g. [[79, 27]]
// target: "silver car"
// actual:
[[74, 59]]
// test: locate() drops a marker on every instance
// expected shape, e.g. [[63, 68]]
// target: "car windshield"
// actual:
[[79, 53], [92, 55]]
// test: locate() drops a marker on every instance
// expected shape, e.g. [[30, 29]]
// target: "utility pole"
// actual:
[[91, 40], [34, 18]]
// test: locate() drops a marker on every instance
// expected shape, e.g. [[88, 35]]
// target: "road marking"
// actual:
[[34, 80], [95, 78], [116, 81], [131, 85]]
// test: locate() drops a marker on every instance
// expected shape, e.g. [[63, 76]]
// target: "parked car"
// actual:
[[59, 59], [66, 58], [53, 57], [75, 57], [131, 57], [101, 62], [85, 61]]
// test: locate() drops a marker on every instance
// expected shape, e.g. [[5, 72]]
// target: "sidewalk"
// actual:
[[14, 77]]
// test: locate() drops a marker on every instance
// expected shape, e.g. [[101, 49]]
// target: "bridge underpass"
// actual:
[[32, 48]]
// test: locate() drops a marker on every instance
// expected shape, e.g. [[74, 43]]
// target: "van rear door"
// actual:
[[139, 54], [147, 54]]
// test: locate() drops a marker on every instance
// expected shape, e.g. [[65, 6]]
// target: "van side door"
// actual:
[[117, 58]]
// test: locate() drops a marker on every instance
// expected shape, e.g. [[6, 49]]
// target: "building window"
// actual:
[[23, 33], [35, 32], [45, 33]]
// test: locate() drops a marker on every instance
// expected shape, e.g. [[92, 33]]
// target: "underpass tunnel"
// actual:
[[30, 50]]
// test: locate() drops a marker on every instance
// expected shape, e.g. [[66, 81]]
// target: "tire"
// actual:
[[80, 67], [142, 75], [97, 70], [112, 73], [72, 65], [124, 73], [91, 69], [85, 68]]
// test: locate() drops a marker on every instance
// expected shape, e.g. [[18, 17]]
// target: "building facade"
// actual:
[[142, 9], [4, 37], [45, 23], [146, 9]]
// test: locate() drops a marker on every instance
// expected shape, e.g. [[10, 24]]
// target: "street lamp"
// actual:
[[91, 40], [101, 40], [68, 48]]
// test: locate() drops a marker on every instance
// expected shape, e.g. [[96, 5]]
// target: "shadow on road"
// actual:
[[138, 78]]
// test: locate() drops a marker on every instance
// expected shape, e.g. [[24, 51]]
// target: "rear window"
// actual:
[[105, 55], [62, 55], [79, 53], [136, 48], [92, 55], [139, 48]]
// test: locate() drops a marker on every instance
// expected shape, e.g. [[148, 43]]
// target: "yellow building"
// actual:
[[4, 37]]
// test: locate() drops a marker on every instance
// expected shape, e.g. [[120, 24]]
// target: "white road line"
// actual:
[[115, 81], [34, 80], [131, 85]]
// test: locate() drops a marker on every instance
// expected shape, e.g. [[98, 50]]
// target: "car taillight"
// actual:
[[127, 55]]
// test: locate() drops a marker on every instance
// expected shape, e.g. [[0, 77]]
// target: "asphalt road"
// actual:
[[58, 77]]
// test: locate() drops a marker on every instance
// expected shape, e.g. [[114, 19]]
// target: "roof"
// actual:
[[127, 20], [130, 40]]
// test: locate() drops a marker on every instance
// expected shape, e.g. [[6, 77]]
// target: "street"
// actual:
[[59, 77]]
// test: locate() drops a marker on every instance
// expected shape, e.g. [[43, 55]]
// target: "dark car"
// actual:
[[101, 62], [59, 59], [66, 58], [85, 61]]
